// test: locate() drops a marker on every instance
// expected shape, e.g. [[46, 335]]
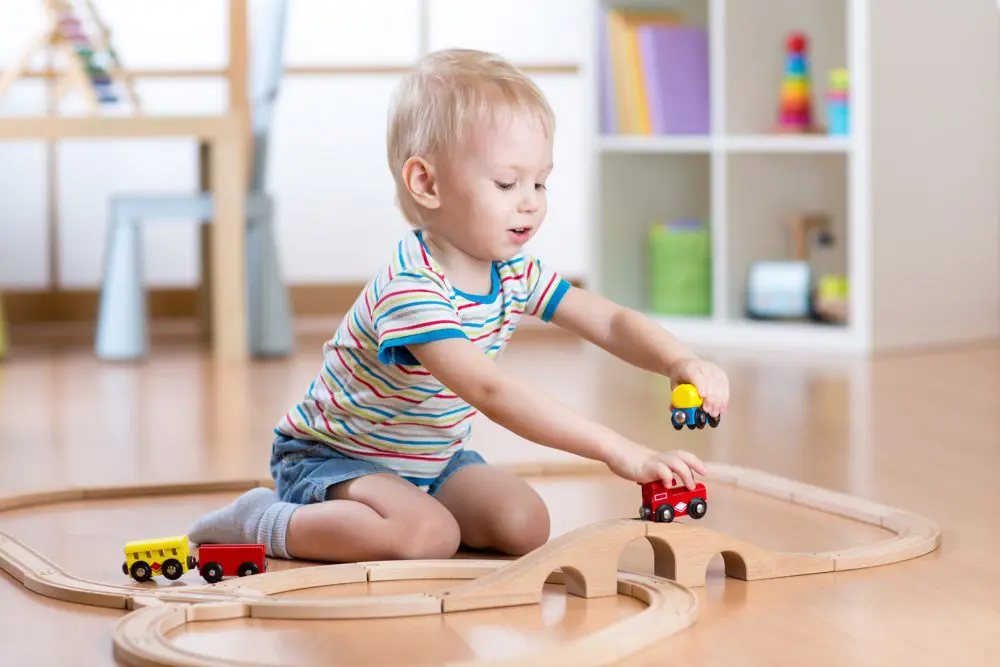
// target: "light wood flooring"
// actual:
[[918, 432]]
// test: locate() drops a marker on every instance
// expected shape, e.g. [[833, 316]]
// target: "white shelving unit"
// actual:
[[878, 185]]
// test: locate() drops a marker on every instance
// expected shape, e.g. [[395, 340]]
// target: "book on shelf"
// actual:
[[654, 74]]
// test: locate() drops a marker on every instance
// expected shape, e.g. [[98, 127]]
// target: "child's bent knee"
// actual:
[[428, 536], [521, 529]]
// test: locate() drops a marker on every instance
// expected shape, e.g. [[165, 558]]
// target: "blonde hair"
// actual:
[[432, 107]]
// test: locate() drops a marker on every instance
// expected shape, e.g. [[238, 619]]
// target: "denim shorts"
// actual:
[[303, 470]]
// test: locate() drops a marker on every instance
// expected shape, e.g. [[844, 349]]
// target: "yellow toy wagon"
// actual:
[[167, 556]]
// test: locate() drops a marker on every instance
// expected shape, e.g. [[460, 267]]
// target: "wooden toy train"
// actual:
[[685, 409], [662, 503], [170, 557]]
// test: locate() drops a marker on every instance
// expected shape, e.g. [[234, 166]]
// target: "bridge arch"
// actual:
[[589, 560], [683, 553], [569, 576]]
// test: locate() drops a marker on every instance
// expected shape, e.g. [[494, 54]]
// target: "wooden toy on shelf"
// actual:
[[795, 106], [167, 556], [801, 226], [662, 503], [685, 408], [216, 561], [838, 110], [92, 66], [829, 295], [784, 289], [831, 299]]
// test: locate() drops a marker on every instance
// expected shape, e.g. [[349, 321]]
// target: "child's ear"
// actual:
[[421, 181]]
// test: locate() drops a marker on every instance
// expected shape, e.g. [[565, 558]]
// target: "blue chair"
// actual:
[[122, 321]]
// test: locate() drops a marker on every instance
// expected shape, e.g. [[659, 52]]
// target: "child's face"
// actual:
[[492, 193]]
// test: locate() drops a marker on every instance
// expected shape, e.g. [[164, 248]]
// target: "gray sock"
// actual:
[[256, 517]]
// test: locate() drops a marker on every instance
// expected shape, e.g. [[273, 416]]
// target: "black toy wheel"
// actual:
[[697, 508], [645, 513], [714, 421], [125, 568], [678, 419], [665, 513], [172, 569], [700, 418], [248, 569], [141, 571], [192, 563], [211, 572]]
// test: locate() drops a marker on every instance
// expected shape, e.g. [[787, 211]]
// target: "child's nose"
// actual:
[[530, 203]]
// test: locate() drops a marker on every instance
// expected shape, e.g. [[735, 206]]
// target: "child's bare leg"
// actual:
[[374, 517], [495, 510]]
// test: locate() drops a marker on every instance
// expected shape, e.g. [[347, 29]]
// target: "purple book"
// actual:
[[675, 74], [609, 123]]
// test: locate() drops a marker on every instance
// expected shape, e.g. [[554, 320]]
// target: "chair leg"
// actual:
[[3, 330], [269, 316], [122, 330]]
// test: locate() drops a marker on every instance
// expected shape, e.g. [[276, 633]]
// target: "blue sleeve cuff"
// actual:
[[395, 352], [557, 295]]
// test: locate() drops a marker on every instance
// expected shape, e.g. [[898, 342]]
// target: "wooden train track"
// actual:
[[584, 560]]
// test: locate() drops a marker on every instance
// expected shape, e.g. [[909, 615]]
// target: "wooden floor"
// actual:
[[921, 433]]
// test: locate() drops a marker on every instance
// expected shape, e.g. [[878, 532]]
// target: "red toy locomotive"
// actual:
[[662, 504], [216, 561]]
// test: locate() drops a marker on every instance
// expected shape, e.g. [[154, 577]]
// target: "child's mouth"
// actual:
[[520, 233]]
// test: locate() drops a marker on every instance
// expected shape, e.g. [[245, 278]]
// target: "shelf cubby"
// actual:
[[755, 37], [638, 190], [765, 193]]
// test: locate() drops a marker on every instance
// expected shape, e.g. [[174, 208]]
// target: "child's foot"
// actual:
[[256, 517]]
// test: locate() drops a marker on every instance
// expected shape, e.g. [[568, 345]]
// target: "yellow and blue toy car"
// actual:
[[685, 409]]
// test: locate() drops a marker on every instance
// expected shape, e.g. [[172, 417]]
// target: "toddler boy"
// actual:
[[372, 463]]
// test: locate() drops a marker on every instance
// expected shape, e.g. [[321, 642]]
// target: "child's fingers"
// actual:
[[696, 464], [683, 471], [697, 378], [665, 474], [717, 399]]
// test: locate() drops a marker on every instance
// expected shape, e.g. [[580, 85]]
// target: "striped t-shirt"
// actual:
[[372, 400]]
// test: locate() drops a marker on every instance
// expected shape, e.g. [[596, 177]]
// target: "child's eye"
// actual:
[[504, 186], [540, 186]]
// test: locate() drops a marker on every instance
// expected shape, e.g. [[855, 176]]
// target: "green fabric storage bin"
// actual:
[[680, 268]]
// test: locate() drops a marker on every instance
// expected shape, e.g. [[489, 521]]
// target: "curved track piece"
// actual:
[[585, 560], [141, 637]]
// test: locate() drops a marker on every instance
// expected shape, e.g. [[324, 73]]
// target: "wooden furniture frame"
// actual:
[[584, 560], [227, 138]]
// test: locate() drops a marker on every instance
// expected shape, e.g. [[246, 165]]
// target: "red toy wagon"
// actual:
[[661, 503], [216, 561]]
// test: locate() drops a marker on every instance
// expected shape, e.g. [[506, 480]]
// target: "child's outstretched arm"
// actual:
[[635, 339], [534, 415]]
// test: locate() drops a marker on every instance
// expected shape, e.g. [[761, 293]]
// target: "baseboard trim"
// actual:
[[66, 306], [181, 303]]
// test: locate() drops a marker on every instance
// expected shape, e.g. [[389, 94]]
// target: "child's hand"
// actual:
[[642, 464], [710, 381]]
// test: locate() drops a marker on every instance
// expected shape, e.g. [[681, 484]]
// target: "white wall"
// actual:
[[935, 237], [327, 166]]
